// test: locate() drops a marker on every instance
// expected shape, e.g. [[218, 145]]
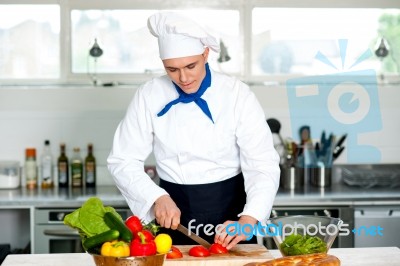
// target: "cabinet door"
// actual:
[[15, 228], [377, 227]]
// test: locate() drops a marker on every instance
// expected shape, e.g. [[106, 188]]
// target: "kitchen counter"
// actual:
[[59, 197], [348, 256], [337, 194]]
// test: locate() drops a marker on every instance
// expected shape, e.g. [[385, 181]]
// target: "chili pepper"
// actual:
[[115, 249], [141, 247]]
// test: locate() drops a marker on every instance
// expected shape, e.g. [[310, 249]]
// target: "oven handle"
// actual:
[[59, 232]]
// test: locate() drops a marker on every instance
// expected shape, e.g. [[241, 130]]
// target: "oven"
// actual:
[[345, 213], [51, 235]]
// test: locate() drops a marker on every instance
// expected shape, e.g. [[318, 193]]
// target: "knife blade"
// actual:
[[193, 236]]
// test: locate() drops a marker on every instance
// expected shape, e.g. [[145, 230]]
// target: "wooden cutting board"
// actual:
[[239, 255]]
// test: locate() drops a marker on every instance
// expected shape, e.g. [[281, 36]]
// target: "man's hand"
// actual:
[[229, 241], [167, 213]]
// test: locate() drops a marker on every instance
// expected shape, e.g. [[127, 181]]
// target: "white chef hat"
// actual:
[[179, 36]]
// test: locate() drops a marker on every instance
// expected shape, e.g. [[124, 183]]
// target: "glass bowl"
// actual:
[[155, 260], [323, 227]]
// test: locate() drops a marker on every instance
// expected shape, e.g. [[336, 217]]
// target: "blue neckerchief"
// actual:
[[192, 97]]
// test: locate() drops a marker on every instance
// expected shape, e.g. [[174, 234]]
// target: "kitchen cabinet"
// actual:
[[377, 226], [15, 227]]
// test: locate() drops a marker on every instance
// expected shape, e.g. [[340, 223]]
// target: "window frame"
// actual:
[[244, 8]]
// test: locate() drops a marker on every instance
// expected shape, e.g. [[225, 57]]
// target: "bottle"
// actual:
[[31, 168], [46, 163], [62, 166], [76, 168], [90, 168]]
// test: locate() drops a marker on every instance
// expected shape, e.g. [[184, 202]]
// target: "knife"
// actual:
[[193, 236], [340, 141], [337, 152]]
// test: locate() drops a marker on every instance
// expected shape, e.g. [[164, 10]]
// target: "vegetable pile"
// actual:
[[302, 244], [103, 231]]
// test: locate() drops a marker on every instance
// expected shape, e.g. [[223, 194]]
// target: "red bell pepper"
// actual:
[[141, 247]]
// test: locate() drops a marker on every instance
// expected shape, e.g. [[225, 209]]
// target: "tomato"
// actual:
[[217, 249], [147, 235], [175, 253], [163, 243], [199, 251], [134, 224]]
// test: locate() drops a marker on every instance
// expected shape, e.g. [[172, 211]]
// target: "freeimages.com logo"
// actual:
[[347, 101]]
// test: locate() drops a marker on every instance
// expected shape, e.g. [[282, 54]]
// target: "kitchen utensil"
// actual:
[[323, 138], [292, 177], [326, 228], [193, 236], [155, 260], [371, 177], [337, 152], [320, 176], [340, 141], [305, 134], [305, 137], [240, 255], [275, 127]]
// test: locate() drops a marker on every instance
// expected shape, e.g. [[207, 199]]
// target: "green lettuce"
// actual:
[[88, 219], [298, 245]]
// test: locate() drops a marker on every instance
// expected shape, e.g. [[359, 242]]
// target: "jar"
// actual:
[[9, 174]]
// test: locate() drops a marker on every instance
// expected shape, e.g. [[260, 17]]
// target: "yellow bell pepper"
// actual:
[[115, 249]]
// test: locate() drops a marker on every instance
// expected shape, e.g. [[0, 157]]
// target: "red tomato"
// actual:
[[217, 249], [134, 224], [175, 253], [199, 251], [147, 235]]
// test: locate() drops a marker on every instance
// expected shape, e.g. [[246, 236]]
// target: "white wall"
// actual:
[[78, 116], [75, 116]]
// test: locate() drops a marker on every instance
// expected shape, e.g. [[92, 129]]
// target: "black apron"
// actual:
[[212, 203]]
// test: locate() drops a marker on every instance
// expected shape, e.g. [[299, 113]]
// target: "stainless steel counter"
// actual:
[[337, 194], [59, 197]]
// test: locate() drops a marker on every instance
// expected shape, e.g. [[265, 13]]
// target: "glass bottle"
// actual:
[[76, 168], [62, 166], [31, 168], [46, 163], [90, 168]]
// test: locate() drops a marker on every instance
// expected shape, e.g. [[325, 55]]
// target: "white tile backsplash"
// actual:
[[78, 116]]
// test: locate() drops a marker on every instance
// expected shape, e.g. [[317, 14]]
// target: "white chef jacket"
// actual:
[[190, 149]]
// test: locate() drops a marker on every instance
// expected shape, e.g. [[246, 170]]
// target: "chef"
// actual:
[[208, 132]]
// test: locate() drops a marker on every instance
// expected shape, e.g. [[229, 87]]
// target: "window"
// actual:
[[130, 48], [48, 41], [122, 35], [313, 41], [29, 41]]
